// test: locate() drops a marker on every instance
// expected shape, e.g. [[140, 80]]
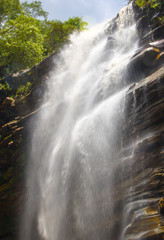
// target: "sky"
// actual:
[[92, 11]]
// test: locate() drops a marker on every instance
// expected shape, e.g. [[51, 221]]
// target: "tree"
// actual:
[[57, 33], [9, 9], [77, 23], [53, 36], [21, 43], [34, 9], [26, 36]]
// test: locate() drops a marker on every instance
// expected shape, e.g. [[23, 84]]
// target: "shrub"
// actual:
[[5, 91], [23, 90]]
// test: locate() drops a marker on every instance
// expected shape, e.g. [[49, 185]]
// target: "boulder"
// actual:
[[144, 63]]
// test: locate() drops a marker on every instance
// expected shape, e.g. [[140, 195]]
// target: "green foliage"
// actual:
[[34, 9], [75, 23], [4, 86], [23, 90], [5, 91], [21, 44], [153, 6], [141, 3], [54, 36], [149, 3], [21, 41], [9, 9], [57, 33], [25, 40], [161, 20]]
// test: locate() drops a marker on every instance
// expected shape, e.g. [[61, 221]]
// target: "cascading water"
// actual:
[[76, 144]]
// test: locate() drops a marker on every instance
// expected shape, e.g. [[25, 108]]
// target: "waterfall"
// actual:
[[76, 144]]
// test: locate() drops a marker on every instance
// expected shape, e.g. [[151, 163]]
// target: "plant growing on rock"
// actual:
[[154, 11], [23, 90], [5, 91], [156, 4]]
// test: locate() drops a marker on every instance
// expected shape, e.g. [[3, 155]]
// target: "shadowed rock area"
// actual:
[[16, 121]]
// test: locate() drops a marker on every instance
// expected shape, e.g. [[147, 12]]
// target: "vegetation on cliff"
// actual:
[[27, 37], [149, 3], [157, 5]]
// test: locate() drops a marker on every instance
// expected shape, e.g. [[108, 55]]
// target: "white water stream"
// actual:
[[76, 144]]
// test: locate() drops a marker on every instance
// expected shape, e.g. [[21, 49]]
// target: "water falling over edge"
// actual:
[[76, 144]]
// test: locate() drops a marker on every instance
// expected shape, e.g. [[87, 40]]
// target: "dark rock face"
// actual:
[[13, 152], [15, 118], [143, 136], [35, 75]]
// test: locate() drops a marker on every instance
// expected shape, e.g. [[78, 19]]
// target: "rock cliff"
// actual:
[[15, 118], [139, 187], [143, 135]]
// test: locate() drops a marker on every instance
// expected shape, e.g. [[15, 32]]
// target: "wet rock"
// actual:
[[151, 36], [144, 63], [113, 26], [158, 44], [143, 174], [161, 206], [143, 25]]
